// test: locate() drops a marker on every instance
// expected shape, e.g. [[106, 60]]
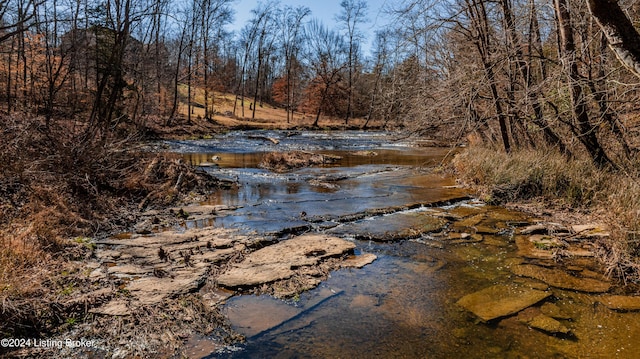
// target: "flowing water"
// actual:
[[403, 305]]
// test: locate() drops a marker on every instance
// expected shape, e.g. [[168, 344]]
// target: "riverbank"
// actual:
[[562, 190], [58, 195]]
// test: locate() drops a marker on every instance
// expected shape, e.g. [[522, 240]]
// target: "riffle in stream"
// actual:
[[434, 246]]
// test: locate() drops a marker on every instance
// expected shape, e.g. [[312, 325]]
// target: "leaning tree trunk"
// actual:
[[622, 36]]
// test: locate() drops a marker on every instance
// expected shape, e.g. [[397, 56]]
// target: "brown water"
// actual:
[[403, 305]]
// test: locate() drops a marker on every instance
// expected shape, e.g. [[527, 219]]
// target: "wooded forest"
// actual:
[[517, 73]]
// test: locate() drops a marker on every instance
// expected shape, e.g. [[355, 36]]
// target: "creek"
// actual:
[[434, 245]]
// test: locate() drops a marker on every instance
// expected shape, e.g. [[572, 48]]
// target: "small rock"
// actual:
[[459, 235], [534, 229], [501, 300], [547, 324], [553, 311], [359, 261]]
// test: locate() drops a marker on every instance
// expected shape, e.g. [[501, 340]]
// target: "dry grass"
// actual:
[[555, 182], [54, 188], [528, 174]]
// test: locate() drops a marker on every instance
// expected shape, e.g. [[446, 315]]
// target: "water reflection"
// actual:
[[225, 160], [407, 157]]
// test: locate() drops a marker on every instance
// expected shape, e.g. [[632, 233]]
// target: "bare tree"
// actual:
[[57, 65], [291, 28], [481, 32], [531, 88], [582, 126], [353, 13], [325, 57], [381, 53], [253, 39], [214, 15], [16, 17]]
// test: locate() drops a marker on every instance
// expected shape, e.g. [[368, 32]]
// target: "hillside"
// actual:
[[267, 116]]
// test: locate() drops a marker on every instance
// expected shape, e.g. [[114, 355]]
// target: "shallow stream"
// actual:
[[388, 196]]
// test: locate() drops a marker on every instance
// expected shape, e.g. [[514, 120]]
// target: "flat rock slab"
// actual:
[[621, 303], [466, 211], [161, 266], [535, 229], [544, 228], [469, 221], [528, 249], [393, 227], [591, 228], [151, 290], [281, 260], [501, 300], [560, 279]]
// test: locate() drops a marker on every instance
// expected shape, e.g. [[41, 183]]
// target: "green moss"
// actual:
[[68, 289]]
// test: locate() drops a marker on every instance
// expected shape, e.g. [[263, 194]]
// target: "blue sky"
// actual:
[[325, 10]]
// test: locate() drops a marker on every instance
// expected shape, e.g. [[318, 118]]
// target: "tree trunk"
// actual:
[[478, 15], [176, 78], [533, 97], [622, 36], [586, 132]]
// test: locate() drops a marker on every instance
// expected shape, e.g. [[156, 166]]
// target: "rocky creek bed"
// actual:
[[373, 257]]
